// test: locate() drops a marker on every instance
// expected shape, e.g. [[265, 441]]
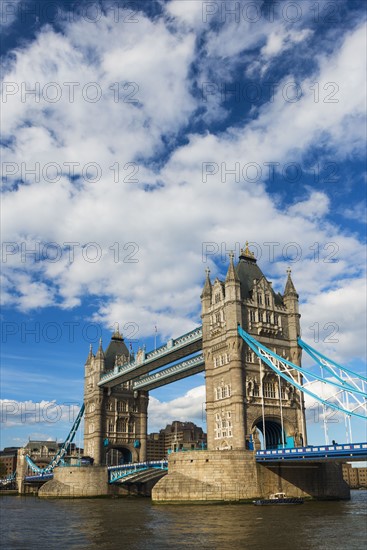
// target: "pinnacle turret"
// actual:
[[290, 289], [90, 355], [207, 290], [231, 273], [100, 353]]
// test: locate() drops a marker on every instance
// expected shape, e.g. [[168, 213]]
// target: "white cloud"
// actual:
[[190, 406], [170, 223]]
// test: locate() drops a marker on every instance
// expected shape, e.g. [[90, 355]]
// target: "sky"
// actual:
[[141, 143]]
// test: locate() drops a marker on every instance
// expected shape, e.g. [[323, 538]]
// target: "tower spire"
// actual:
[[231, 273], [207, 290], [290, 289], [100, 354], [246, 253]]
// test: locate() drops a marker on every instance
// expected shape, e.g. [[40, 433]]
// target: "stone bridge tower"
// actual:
[[115, 420], [247, 404]]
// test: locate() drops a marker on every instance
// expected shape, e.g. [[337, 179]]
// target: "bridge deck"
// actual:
[[346, 452], [173, 351]]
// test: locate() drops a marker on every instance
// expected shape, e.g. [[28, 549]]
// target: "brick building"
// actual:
[[355, 477], [8, 457], [177, 436]]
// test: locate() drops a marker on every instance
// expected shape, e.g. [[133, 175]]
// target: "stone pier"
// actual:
[[76, 482], [234, 476]]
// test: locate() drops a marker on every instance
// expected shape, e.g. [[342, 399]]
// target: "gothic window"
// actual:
[[252, 315], [122, 406], [269, 390], [120, 426], [217, 298], [282, 392], [109, 406], [275, 319], [267, 300], [110, 426], [217, 317], [259, 299], [268, 317]]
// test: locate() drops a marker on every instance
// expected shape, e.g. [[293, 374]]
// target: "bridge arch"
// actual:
[[121, 454], [274, 438]]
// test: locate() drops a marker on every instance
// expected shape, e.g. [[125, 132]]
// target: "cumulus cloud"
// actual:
[[190, 406], [149, 228]]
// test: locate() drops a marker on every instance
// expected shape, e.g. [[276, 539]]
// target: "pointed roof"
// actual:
[[290, 289], [90, 355], [100, 354], [231, 273], [207, 290], [248, 271], [116, 347]]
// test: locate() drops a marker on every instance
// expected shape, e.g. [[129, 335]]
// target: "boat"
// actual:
[[278, 498]]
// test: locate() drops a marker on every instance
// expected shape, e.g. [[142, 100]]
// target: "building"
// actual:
[[355, 477], [8, 459], [115, 419], [41, 452], [247, 404], [178, 436]]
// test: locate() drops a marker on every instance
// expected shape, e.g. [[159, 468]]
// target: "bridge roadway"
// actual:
[[345, 452], [191, 366], [174, 350]]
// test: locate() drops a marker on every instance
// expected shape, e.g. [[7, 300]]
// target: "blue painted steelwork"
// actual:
[[170, 347], [326, 363], [63, 449], [267, 356], [346, 451], [41, 477], [115, 473], [195, 363]]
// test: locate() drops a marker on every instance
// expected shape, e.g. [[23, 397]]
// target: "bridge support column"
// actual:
[[235, 475]]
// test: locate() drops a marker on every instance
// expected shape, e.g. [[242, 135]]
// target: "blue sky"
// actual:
[[160, 136]]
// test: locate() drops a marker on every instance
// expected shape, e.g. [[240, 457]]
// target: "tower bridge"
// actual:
[[250, 349]]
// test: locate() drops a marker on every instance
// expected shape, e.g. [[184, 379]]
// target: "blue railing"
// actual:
[[348, 450], [116, 473]]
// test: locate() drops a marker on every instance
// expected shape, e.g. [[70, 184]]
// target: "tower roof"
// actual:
[[248, 271], [115, 347]]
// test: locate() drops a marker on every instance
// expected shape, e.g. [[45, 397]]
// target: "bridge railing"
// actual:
[[311, 451], [138, 465], [171, 345], [169, 371]]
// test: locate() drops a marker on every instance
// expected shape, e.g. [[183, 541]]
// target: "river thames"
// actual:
[[136, 524]]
